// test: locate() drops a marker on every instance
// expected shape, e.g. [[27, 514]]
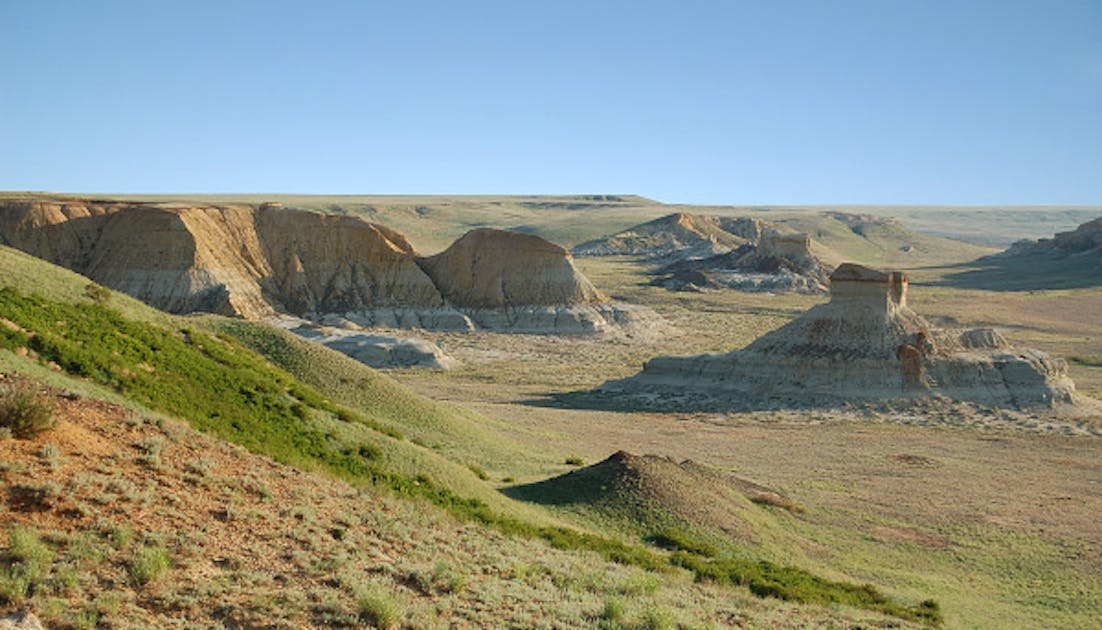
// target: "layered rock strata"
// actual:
[[678, 236], [523, 283], [260, 261], [865, 344], [777, 262]]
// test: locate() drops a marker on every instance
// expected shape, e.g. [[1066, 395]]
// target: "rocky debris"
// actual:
[[678, 236], [20, 620], [865, 344], [380, 351], [258, 261], [777, 262]]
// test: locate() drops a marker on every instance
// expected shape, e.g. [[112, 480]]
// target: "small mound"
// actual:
[[650, 492], [489, 268]]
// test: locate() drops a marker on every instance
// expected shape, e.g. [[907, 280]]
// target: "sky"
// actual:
[[723, 102]]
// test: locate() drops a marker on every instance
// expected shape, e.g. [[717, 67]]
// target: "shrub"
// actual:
[[97, 292], [613, 612], [479, 471], [148, 565], [378, 607], [24, 411], [574, 461]]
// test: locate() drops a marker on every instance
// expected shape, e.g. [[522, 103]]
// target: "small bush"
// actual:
[[378, 607], [148, 565], [24, 411], [479, 471], [657, 618], [574, 461], [25, 546], [613, 612], [97, 293]]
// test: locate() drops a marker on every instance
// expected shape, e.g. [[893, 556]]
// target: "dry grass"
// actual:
[[216, 536], [954, 501]]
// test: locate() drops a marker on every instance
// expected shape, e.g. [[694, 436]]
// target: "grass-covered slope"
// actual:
[[176, 366], [456, 433], [225, 389]]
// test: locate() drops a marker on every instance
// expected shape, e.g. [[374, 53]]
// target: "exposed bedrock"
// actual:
[[865, 344], [259, 261]]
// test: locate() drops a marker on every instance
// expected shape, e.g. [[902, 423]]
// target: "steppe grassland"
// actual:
[[989, 511], [176, 520]]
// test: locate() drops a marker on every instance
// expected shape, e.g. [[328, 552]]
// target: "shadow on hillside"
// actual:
[[1025, 273], [687, 402]]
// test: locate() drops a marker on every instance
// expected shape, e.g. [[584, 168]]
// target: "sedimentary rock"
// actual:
[[259, 261], [523, 283], [380, 351], [678, 236], [1085, 240], [779, 261], [865, 344]]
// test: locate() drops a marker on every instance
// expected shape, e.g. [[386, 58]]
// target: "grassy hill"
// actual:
[[108, 468]]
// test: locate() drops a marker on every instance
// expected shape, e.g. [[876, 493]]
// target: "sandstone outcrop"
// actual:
[[518, 282], [1068, 260], [1085, 240], [865, 344], [711, 252], [777, 262], [678, 236], [258, 261]]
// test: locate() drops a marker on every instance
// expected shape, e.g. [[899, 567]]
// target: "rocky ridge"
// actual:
[[258, 261], [1085, 241], [865, 344]]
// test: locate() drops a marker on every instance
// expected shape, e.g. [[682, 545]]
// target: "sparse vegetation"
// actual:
[[23, 411], [908, 553], [378, 607], [148, 564]]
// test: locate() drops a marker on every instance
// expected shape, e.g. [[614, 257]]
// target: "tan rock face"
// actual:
[[865, 344], [256, 261], [236, 260], [499, 269], [678, 235]]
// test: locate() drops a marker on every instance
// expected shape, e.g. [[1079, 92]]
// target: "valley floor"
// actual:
[[992, 512]]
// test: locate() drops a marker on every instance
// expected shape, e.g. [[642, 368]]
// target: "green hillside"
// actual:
[[356, 429]]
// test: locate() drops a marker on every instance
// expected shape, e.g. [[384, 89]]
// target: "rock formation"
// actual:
[[1085, 241], [777, 262], [712, 252], [1068, 260], [678, 236], [379, 351], [258, 261], [865, 344], [522, 283]]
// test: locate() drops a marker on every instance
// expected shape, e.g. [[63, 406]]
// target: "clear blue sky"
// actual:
[[884, 101]]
